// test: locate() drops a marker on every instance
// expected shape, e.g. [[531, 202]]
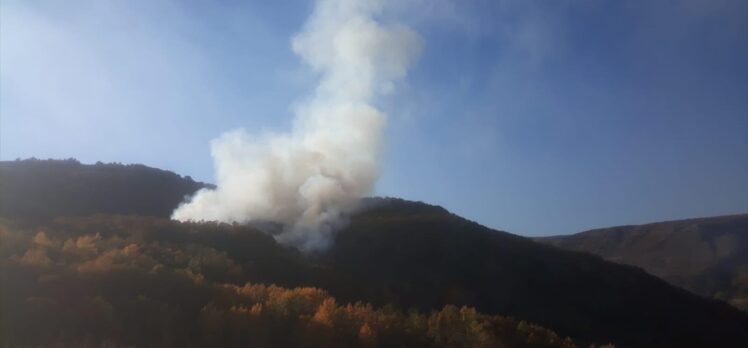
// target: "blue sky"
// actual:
[[536, 117]]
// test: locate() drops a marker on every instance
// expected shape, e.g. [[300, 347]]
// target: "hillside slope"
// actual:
[[413, 254], [43, 189], [136, 283], [708, 256], [393, 252]]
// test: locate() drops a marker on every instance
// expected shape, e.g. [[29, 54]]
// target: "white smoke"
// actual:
[[311, 177]]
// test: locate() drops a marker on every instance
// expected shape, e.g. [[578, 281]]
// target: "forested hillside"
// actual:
[[145, 280], [43, 189], [150, 282]]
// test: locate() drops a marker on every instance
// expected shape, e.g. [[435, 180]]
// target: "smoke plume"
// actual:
[[309, 178]]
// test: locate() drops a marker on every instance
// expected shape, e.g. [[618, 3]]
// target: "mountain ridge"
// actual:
[[69, 188], [708, 256], [419, 256]]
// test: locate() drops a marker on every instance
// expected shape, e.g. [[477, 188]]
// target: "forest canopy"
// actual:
[[78, 239], [112, 281]]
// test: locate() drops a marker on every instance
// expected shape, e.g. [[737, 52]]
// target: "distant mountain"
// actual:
[[392, 254], [42, 189], [707, 256]]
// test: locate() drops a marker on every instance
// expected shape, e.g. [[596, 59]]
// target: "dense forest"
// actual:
[[125, 285], [399, 274], [708, 256]]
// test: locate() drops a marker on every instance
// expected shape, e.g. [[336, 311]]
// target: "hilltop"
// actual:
[[396, 255]]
